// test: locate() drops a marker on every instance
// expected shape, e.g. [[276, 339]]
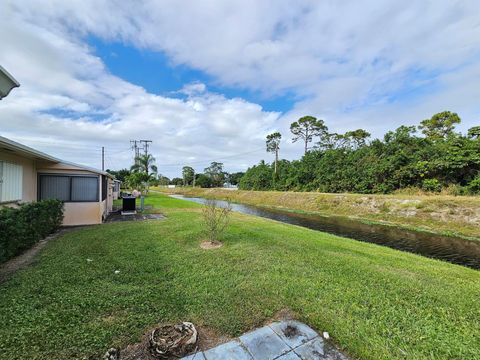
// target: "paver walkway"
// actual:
[[117, 216], [286, 340]]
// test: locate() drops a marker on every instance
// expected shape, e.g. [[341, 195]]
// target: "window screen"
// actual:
[[104, 187], [55, 187], [69, 188], [11, 181], [84, 189]]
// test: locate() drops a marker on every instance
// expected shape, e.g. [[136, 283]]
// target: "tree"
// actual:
[[163, 180], [440, 125], [120, 174], [331, 141], [135, 180], [273, 145], [145, 165], [188, 174], [306, 128], [234, 178], [216, 173], [176, 181], [203, 181], [357, 138], [474, 132], [215, 219], [258, 177]]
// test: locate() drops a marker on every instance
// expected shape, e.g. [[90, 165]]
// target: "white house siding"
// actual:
[[11, 182], [28, 175]]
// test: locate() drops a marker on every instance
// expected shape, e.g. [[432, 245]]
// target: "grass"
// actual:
[[442, 214], [376, 303]]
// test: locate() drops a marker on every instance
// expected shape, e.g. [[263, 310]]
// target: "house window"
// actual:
[[104, 187], [84, 188], [55, 187], [68, 188], [11, 182]]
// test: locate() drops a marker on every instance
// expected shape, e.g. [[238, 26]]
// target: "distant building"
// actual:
[[28, 175]]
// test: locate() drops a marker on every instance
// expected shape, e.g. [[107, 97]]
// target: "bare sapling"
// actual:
[[216, 219]]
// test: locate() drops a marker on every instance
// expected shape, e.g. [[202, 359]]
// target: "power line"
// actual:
[[217, 159], [145, 145], [135, 149]]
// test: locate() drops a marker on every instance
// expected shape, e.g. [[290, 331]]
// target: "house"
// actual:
[[28, 175], [116, 189], [7, 83]]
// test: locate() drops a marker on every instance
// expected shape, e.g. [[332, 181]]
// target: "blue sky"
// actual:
[[158, 75], [210, 80]]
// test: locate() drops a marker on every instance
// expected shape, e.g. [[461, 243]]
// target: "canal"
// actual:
[[452, 249]]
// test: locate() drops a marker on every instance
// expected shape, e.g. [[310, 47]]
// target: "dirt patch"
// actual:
[[208, 245], [207, 339], [290, 331], [28, 257], [282, 315]]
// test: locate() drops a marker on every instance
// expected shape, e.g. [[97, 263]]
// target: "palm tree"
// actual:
[[145, 164]]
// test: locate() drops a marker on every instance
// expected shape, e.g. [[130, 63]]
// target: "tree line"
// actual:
[[144, 173], [431, 156]]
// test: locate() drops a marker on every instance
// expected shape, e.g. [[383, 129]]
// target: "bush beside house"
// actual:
[[22, 227]]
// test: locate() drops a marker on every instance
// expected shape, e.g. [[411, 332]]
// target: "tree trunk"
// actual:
[[276, 159], [306, 141]]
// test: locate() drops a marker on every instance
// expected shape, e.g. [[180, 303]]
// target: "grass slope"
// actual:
[[376, 302], [444, 214]]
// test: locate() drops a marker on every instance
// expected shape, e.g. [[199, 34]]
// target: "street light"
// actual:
[[7, 83]]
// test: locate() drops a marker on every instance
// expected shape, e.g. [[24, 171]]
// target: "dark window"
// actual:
[[104, 187], [84, 188], [55, 187], [68, 188]]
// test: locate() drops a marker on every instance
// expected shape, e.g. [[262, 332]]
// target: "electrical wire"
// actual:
[[209, 161]]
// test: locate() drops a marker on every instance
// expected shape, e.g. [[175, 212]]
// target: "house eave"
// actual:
[[28, 152]]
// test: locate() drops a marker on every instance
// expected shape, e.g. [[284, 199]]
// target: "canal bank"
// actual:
[[447, 248], [444, 215]]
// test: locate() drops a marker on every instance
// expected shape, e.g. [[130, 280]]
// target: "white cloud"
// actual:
[[351, 63], [69, 105]]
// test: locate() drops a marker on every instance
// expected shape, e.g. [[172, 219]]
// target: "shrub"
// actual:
[[432, 185], [474, 186], [215, 219], [455, 189], [22, 227]]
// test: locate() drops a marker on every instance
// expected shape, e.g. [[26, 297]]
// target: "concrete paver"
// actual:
[[289, 356], [311, 350], [284, 340], [196, 356], [233, 350], [264, 344], [293, 333]]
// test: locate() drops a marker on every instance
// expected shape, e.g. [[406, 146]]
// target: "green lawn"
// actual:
[[442, 214], [377, 303]]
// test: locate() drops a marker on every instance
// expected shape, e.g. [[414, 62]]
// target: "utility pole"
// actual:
[[145, 145], [136, 150], [103, 158]]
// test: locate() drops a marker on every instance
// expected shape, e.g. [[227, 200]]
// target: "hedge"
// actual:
[[22, 227]]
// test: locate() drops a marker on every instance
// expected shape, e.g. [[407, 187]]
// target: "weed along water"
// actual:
[[452, 249]]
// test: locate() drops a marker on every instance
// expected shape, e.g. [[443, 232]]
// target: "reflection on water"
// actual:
[[452, 249]]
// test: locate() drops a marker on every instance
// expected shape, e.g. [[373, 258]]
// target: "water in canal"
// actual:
[[453, 249]]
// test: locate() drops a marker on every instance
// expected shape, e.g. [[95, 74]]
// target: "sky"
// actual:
[[208, 80]]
